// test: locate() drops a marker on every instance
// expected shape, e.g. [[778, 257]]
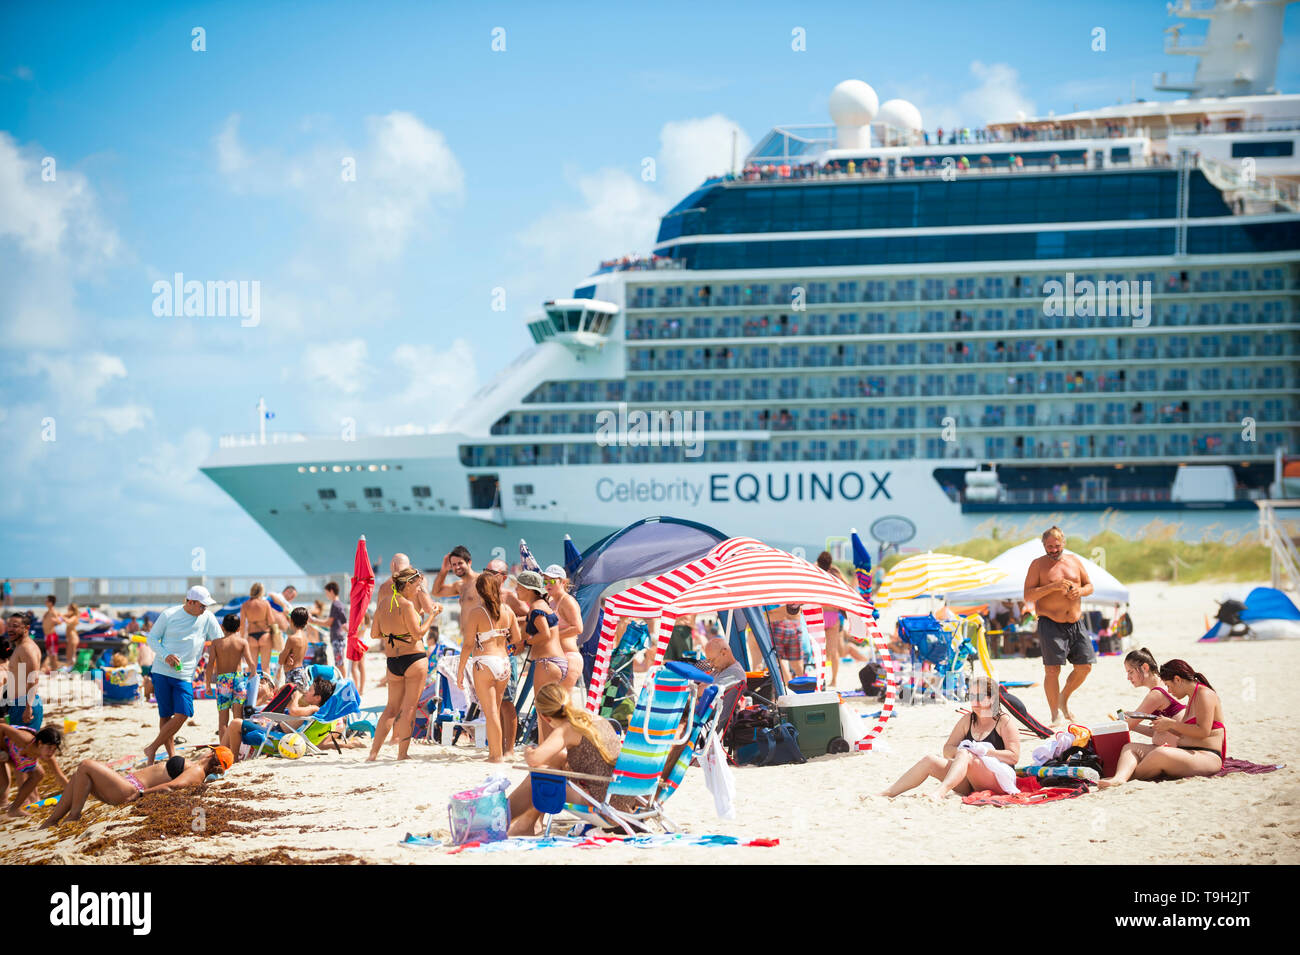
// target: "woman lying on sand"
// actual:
[[1195, 744], [1143, 671], [960, 770], [577, 742], [115, 788], [21, 753]]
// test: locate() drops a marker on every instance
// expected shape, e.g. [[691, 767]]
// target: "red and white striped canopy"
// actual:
[[739, 572]]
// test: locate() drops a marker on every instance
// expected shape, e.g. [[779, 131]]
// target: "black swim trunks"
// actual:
[[1064, 641]]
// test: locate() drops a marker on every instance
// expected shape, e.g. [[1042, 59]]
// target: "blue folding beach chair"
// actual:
[[639, 773], [343, 702]]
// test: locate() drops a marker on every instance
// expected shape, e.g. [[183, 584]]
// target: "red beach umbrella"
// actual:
[[363, 585]]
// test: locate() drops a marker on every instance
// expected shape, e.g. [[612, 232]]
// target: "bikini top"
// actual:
[[482, 635], [1170, 709], [530, 628], [994, 737], [1216, 725]]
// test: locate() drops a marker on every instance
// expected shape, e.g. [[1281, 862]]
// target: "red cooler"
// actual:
[[1109, 739]]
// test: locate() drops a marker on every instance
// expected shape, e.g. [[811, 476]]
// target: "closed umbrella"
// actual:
[[571, 556], [526, 558], [932, 575], [363, 585]]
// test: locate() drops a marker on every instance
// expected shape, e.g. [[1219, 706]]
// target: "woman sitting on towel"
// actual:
[[981, 751], [578, 742], [1194, 744], [1143, 671], [113, 788]]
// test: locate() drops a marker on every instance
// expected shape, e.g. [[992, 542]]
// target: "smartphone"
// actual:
[[1139, 716]]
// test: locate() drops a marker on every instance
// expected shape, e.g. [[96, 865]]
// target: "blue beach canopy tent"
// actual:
[[645, 549], [1268, 613]]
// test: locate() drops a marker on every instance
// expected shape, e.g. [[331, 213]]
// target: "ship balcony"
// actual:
[[1170, 286]]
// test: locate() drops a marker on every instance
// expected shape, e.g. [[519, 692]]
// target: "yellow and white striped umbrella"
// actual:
[[932, 575]]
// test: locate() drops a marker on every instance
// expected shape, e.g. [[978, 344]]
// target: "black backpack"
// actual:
[[758, 738], [868, 677], [1083, 757]]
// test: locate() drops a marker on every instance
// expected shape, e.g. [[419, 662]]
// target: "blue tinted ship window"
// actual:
[[1282, 147], [587, 291]]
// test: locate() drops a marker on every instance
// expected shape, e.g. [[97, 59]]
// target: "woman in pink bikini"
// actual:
[[1196, 744], [1143, 671]]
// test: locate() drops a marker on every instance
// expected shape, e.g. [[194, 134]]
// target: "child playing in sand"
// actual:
[[21, 753], [295, 649], [224, 658]]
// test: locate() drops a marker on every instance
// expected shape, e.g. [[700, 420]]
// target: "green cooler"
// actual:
[[816, 717]]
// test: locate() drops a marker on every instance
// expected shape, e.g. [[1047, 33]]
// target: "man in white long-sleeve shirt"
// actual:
[[177, 639]]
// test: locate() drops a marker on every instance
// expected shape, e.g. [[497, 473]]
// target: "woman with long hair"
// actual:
[[1142, 670], [99, 779], [577, 741], [961, 769], [399, 628], [485, 637], [22, 751], [1194, 744], [541, 631]]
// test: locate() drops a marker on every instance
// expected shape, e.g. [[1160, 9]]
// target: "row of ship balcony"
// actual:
[[938, 290], [1112, 449], [964, 355], [907, 420], [878, 387], [1027, 321]]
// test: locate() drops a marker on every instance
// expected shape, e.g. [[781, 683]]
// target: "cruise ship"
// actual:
[[1079, 318]]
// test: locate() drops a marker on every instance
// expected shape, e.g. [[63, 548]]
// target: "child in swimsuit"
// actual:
[[23, 751]]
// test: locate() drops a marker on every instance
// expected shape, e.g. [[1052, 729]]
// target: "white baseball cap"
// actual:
[[555, 572], [201, 595]]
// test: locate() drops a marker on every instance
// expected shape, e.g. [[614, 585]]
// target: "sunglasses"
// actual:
[[553, 580]]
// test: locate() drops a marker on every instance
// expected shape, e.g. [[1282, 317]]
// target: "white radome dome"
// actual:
[[853, 103], [901, 115]]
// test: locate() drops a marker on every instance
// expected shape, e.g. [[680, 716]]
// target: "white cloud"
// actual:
[[691, 150], [406, 175], [992, 95], [340, 366]]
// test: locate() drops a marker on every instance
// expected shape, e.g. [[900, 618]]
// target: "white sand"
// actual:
[[820, 811]]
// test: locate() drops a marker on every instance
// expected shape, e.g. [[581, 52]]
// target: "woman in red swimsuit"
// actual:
[[1143, 671], [1201, 736]]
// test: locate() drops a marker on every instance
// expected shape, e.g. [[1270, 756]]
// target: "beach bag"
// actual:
[[746, 727], [868, 676], [481, 814], [1081, 757], [773, 746]]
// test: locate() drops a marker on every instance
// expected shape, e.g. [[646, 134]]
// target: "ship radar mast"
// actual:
[[1239, 52]]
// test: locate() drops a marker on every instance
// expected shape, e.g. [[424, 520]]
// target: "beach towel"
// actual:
[[1031, 793], [1231, 765], [1004, 774]]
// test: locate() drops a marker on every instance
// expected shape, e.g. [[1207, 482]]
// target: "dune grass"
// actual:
[[1156, 552]]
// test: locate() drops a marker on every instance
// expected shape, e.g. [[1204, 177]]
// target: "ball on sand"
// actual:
[[293, 746]]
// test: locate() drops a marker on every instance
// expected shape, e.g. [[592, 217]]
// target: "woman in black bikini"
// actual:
[[542, 634], [959, 769], [399, 628]]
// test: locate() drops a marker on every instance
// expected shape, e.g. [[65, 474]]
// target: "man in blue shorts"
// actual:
[[177, 639]]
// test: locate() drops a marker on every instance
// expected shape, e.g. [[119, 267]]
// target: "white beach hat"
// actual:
[[555, 572], [201, 595]]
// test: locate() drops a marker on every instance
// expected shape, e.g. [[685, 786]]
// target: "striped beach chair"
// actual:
[[639, 770]]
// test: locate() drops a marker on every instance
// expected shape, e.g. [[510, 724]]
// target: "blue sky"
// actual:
[[476, 169]]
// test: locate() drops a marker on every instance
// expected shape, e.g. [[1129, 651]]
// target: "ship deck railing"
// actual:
[[1165, 287]]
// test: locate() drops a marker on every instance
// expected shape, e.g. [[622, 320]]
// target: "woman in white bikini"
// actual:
[[399, 629], [565, 606], [485, 636]]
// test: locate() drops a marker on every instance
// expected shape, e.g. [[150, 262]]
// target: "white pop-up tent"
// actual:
[[1015, 562]]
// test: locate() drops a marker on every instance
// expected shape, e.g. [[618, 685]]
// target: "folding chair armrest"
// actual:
[[568, 774]]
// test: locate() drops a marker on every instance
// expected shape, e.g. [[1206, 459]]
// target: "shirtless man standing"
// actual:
[[458, 563], [1056, 583], [222, 675], [49, 622], [24, 674], [256, 620]]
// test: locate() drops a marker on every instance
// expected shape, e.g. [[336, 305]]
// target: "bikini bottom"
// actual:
[[398, 665]]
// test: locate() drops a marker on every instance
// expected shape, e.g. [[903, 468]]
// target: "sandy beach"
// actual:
[[340, 808]]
